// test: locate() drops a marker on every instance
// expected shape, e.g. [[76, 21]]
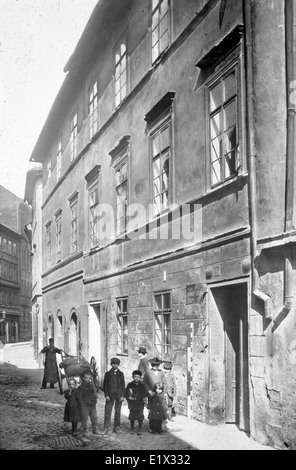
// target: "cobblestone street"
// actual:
[[32, 419]]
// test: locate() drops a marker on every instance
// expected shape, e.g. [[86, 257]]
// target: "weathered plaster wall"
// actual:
[[272, 355], [270, 114]]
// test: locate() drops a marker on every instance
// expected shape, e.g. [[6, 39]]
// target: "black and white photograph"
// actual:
[[147, 228]]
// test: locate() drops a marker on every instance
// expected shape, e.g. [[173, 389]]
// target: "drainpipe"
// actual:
[[290, 83], [251, 155]]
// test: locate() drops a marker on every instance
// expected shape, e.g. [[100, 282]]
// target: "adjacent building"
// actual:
[[15, 268], [168, 206]]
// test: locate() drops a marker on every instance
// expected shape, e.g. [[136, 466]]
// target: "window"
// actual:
[[93, 222], [120, 155], [93, 110], [92, 179], [160, 27], [122, 330], [120, 72], [48, 243], [58, 221], [121, 198], [48, 169], [73, 138], [161, 151], [159, 121], [162, 324], [59, 160], [74, 226], [223, 117]]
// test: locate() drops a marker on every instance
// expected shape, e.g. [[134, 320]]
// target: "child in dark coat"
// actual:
[[135, 394], [87, 397], [114, 387], [72, 411], [158, 409]]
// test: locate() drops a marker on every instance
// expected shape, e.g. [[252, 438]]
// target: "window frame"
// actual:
[[74, 137], [164, 348], [93, 107], [124, 161], [93, 218], [117, 65], [59, 160], [154, 9], [58, 236], [121, 314], [234, 60], [48, 229], [74, 226], [165, 123]]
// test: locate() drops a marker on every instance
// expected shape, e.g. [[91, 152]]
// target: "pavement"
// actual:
[[32, 419]]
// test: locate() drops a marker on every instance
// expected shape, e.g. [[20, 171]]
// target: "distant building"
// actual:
[[33, 196], [168, 208], [15, 268]]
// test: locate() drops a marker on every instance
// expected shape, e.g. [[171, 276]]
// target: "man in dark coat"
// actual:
[[143, 363], [114, 387], [50, 367]]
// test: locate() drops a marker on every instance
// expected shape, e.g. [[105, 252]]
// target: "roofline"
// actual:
[[73, 69]]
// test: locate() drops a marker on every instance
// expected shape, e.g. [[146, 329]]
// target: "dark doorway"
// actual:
[[232, 304]]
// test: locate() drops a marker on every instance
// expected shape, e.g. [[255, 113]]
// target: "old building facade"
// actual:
[[33, 196], [168, 209], [15, 268]]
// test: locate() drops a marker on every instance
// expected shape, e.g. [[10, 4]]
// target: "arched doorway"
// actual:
[[73, 334], [59, 331]]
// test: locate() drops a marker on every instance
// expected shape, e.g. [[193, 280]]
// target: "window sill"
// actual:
[[226, 183]]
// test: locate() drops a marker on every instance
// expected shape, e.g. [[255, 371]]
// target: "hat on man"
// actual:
[[155, 361], [115, 360], [142, 350], [167, 365], [137, 372]]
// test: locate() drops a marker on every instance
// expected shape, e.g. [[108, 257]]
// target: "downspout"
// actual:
[[251, 156], [290, 84], [290, 169]]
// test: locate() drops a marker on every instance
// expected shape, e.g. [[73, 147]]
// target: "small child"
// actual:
[[72, 411], [158, 409], [171, 388], [135, 394], [94, 368], [87, 397]]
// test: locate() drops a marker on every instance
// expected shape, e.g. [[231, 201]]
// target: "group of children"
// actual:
[[155, 389]]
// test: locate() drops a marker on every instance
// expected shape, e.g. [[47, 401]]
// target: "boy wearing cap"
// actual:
[[113, 386], [135, 394], [87, 400], [171, 388]]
